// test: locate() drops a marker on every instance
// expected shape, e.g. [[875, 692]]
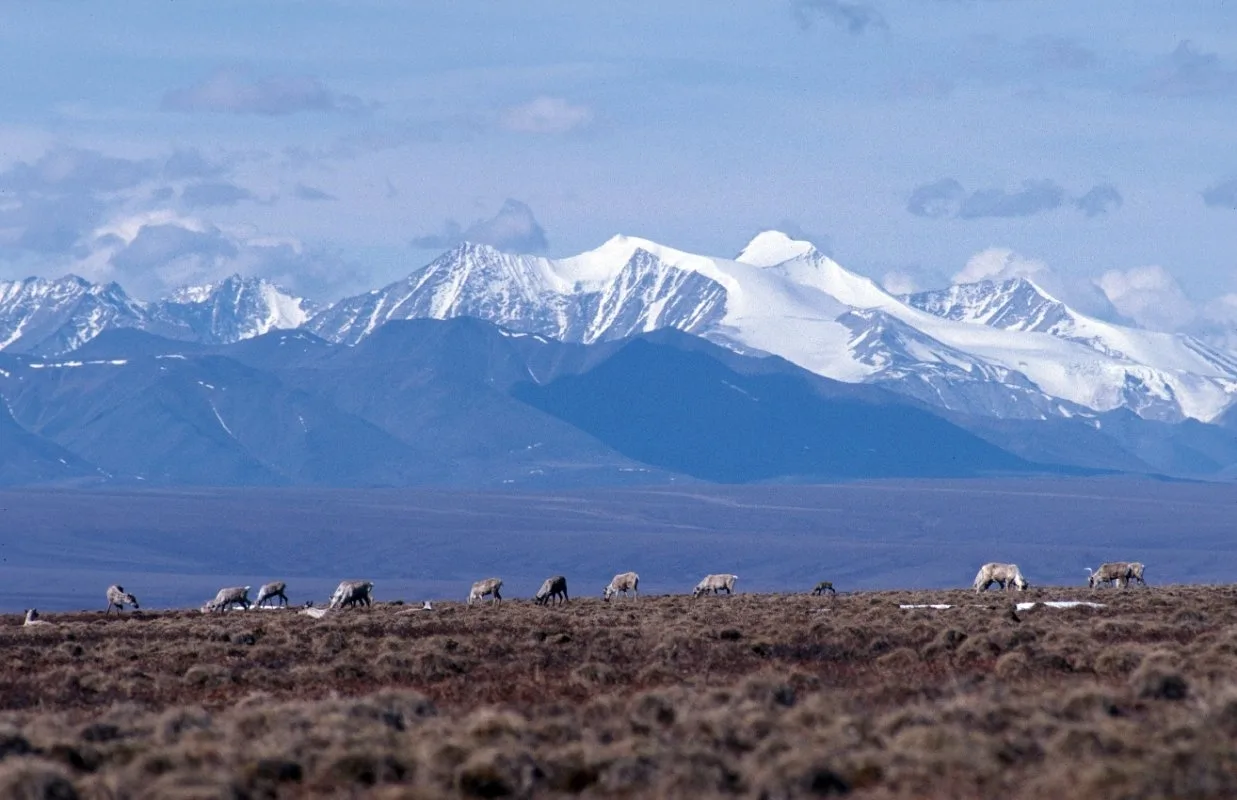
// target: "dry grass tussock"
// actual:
[[762, 696]]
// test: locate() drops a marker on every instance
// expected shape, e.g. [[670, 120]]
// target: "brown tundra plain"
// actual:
[[759, 696]]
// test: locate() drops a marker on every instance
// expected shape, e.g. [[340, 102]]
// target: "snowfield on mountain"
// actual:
[[1004, 349], [784, 297]]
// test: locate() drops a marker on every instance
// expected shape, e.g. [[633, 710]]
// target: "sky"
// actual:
[[338, 146]]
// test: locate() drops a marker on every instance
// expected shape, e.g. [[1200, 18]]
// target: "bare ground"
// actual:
[[766, 696]]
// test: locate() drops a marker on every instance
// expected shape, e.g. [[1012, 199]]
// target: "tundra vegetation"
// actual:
[[774, 696]]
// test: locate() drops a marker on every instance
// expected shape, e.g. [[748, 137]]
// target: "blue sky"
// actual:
[[336, 146]]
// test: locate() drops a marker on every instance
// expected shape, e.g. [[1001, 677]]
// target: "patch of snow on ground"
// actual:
[[117, 362], [222, 424], [1059, 604]]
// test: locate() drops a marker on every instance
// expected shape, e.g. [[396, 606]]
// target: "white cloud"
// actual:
[[1222, 309], [153, 252], [233, 92], [109, 218], [546, 115], [1002, 263], [1154, 299], [513, 229], [896, 282], [1150, 296], [1217, 323], [998, 264]]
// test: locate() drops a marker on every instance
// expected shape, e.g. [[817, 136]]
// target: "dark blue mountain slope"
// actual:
[[29, 459], [685, 411], [205, 420]]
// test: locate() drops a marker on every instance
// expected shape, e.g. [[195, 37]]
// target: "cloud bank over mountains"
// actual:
[[230, 91], [513, 229], [146, 222], [922, 137], [948, 199], [140, 221]]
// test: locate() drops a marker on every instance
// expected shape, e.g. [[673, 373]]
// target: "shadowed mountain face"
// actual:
[[26, 458], [463, 403], [290, 409], [687, 412]]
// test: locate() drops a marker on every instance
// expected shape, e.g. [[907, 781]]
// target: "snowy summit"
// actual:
[[770, 248]]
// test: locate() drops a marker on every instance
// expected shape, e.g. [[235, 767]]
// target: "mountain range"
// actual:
[[484, 367], [53, 317], [458, 402]]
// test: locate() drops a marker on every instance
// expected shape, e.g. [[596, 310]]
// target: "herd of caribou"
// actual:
[[554, 590], [1007, 575]]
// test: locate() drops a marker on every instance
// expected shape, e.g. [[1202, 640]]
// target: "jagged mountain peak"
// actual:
[[69, 282], [592, 269], [55, 315], [467, 250], [234, 308], [1017, 303], [198, 293], [626, 286], [52, 316], [1025, 283]]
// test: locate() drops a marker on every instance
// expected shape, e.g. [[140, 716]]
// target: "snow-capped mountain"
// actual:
[[1159, 375], [233, 309], [1017, 304], [44, 316], [536, 295], [1001, 349]]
